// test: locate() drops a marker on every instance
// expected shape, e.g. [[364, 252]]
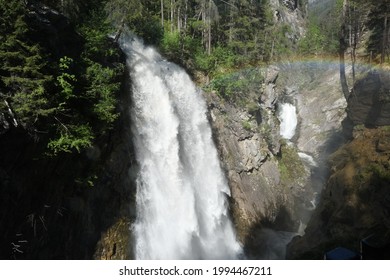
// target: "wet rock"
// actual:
[[244, 144], [116, 242]]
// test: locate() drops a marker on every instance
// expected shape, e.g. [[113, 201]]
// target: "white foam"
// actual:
[[288, 120], [182, 211]]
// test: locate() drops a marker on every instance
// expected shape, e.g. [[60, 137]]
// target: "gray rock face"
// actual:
[[287, 12], [369, 103], [248, 145], [354, 203], [291, 4], [316, 91], [267, 187]]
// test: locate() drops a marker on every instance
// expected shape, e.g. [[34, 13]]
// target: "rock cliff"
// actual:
[[369, 101], [274, 181], [354, 203]]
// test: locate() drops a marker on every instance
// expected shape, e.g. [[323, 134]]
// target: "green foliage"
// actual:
[[181, 48], [380, 173], [102, 77], [71, 99], [266, 132], [171, 44], [237, 84], [149, 29], [247, 125], [314, 41], [28, 108], [23, 76], [66, 80], [74, 137], [378, 42], [282, 45], [322, 36], [291, 167], [101, 89]]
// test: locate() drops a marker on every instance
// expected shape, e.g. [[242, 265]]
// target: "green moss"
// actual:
[[235, 86], [247, 125], [386, 128], [291, 167]]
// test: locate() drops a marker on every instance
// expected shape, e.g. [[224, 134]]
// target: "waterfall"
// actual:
[[288, 120], [182, 210]]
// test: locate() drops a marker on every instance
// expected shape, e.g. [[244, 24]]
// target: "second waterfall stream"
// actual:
[[182, 210]]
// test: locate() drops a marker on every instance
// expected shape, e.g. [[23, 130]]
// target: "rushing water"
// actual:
[[182, 211], [288, 120]]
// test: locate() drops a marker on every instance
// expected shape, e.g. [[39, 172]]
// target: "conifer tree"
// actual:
[[23, 81]]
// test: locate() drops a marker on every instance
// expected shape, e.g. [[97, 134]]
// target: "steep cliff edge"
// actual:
[[369, 102], [275, 181], [355, 202]]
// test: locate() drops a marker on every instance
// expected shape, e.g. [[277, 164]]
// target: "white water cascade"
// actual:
[[181, 190], [288, 120]]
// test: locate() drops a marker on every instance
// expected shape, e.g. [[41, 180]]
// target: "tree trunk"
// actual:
[[178, 20], [342, 49], [172, 15], [162, 13], [354, 40], [209, 30], [384, 39], [203, 12], [185, 16], [231, 4]]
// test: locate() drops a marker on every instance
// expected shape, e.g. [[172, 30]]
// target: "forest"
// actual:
[[53, 94]]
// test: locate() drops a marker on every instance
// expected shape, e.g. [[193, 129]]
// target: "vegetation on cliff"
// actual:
[[358, 27], [63, 98], [355, 202]]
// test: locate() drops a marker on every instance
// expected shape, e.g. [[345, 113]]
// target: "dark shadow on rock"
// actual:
[[369, 102], [267, 240], [354, 203]]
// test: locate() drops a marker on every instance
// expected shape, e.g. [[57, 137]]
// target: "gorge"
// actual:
[[226, 135]]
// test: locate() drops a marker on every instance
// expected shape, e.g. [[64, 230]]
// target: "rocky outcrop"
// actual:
[[369, 101], [287, 12], [355, 202], [247, 136], [315, 90], [274, 182]]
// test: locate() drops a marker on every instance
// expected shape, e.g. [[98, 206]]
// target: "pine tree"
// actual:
[[23, 81], [379, 25]]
